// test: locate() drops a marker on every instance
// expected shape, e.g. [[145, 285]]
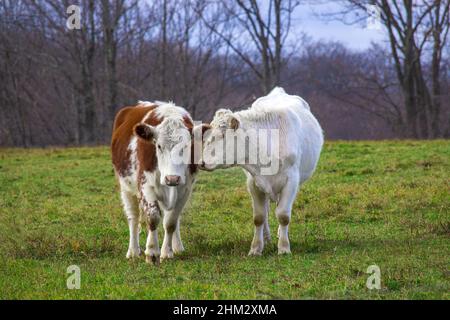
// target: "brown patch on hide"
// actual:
[[122, 134]]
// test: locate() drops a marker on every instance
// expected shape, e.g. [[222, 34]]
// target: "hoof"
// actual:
[[152, 256], [166, 256], [284, 251], [256, 247], [255, 253], [178, 249], [133, 253], [152, 260]]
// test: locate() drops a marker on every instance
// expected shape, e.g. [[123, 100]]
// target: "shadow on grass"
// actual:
[[42, 247], [241, 247]]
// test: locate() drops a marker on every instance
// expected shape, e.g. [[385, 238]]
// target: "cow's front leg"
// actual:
[[153, 216], [130, 204], [260, 203], [170, 226], [283, 213], [177, 244]]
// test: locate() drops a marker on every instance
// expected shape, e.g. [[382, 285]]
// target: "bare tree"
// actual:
[[61, 86], [263, 24], [439, 18], [77, 49], [412, 28], [112, 13]]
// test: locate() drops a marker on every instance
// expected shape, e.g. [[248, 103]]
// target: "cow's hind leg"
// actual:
[[260, 202], [283, 213], [130, 204]]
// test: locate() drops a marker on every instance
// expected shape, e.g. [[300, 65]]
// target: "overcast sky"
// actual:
[[307, 19]]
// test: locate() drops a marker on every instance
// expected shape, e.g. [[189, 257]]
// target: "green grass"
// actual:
[[384, 203]]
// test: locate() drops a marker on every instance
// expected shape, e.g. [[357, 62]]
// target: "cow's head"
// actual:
[[172, 140], [215, 149]]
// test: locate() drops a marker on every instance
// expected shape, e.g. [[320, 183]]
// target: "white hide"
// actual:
[[300, 144]]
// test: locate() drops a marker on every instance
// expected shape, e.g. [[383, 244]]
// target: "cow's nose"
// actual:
[[172, 180]]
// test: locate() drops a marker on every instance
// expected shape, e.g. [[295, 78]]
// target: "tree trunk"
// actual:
[[89, 116], [110, 47], [163, 72]]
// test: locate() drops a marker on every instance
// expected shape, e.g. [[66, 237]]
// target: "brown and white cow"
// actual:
[[151, 154]]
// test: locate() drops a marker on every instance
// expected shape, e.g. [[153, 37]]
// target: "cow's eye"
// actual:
[[159, 147]]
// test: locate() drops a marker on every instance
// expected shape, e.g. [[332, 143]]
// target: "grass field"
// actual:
[[383, 203]]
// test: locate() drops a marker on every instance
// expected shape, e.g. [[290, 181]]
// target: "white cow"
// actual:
[[295, 157]]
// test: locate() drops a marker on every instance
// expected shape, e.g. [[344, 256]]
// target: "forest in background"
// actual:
[[63, 87]]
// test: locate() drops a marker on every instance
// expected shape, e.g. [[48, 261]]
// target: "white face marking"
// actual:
[[226, 147], [172, 140], [168, 110], [173, 150]]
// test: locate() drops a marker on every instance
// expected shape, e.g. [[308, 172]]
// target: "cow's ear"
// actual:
[[233, 123], [144, 131]]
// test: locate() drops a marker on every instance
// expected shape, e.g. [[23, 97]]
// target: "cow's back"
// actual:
[[306, 134], [301, 136]]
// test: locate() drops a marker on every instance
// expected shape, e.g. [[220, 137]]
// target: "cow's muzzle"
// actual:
[[172, 181]]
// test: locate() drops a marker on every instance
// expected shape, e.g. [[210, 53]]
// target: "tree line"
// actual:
[[63, 87]]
